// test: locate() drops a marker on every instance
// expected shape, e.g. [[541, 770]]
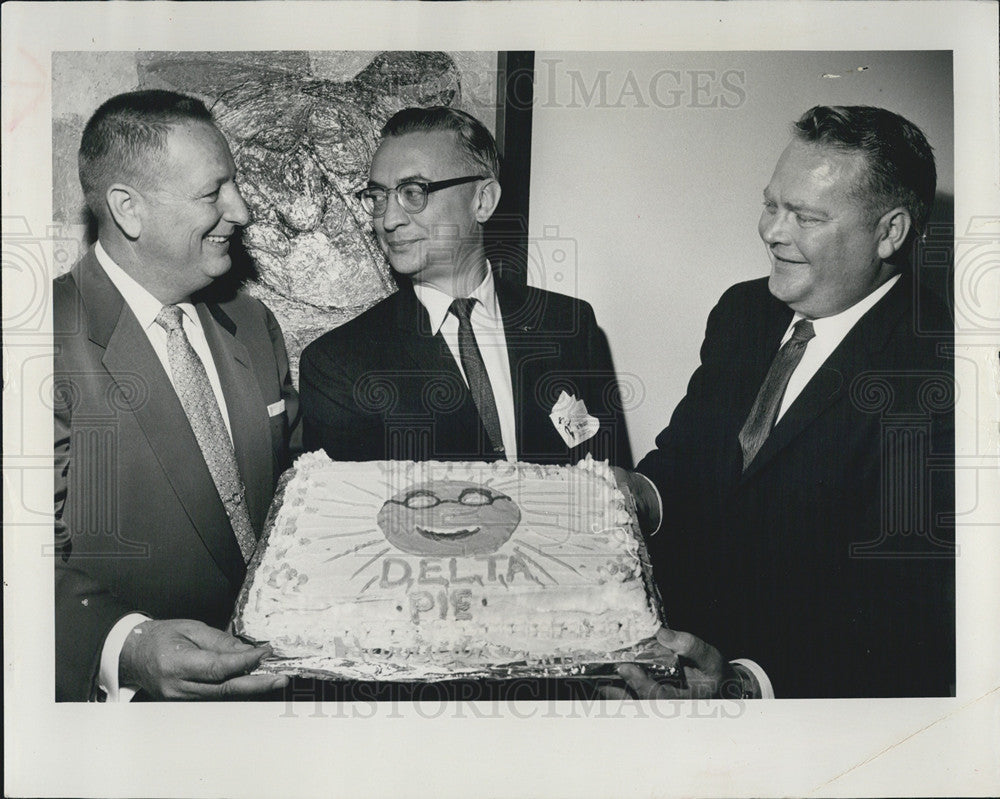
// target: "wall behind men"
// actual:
[[647, 173], [303, 126]]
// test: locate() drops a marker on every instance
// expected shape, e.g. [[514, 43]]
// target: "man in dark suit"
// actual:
[[172, 415], [410, 378], [806, 478]]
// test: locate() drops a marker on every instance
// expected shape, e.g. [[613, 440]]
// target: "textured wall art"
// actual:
[[303, 128]]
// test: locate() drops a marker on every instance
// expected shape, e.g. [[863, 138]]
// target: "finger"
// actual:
[[204, 666], [612, 692], [251, 685], [703, 655], [644, 686], [242, 687], [229, 643], [206, 637]]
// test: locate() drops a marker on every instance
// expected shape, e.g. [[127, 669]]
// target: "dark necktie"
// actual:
[[475, 371], [758, 425], [199, 403]]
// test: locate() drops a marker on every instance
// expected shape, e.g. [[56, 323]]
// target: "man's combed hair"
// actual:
[[476, 140], [127, 134], [900, 162]]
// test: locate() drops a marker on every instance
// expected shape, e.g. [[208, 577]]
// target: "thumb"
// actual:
[[218, 641], [612, 692], [703, 655], [667, 637]]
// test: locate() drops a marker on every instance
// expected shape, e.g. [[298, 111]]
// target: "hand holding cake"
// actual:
[[186, 659], [707, 674]]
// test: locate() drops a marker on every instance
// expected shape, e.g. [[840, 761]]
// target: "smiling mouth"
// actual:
[[785, 260], [402, 245], [451, 535], [217, 239]]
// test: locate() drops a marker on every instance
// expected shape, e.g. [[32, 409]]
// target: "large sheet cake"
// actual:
[[398, 570]]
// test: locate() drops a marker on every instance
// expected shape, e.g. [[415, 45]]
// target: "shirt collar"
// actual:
[[438, 303], [839, 324], [143, 304]]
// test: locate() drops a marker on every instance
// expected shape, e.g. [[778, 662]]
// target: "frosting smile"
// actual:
[[451, 535]]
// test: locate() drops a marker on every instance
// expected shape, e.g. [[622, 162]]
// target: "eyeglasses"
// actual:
[[410, 194], [421, 498]]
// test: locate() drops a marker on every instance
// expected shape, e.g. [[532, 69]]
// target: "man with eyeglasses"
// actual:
[[459, 364]]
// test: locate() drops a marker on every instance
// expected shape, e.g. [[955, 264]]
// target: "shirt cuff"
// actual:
[[107, 678], [659, 501], [763, 681]]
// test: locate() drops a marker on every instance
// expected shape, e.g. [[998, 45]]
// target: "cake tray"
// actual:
[[649, 653]]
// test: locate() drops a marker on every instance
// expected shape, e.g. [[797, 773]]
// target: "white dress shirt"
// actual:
[[487, 325], [145, 307], [830, 331]]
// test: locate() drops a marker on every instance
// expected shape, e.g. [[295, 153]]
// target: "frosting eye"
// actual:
[[421, 499], [475, 496]]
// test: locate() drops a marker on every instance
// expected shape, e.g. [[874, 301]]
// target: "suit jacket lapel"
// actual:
[[147, 391], [759, 346], [518, 321], [245, 405], [428, 351], [835, 376], [529, 355]]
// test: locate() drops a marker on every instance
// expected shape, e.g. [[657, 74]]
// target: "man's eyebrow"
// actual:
[[810, 209], [797, 207], [418, 178], [213, 184]]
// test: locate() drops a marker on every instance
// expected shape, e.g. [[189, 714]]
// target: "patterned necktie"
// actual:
[[762, 416], [475, 371], [196, 396]]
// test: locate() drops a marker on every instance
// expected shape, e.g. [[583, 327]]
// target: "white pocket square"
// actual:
[[276, 408], [571, 419]]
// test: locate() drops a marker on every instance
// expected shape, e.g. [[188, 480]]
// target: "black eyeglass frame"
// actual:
[[427, 187]]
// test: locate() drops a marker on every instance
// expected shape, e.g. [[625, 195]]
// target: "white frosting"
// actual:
[[553, 572]]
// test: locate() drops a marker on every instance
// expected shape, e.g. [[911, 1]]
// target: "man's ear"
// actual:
[[892, 230], [124, 206], [487, 199]]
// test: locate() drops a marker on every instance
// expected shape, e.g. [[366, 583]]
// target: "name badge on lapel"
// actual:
[[276, 408], [571, 419]]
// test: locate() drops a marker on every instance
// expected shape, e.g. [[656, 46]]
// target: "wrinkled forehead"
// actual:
[[819, 169], [431, 155], [197, 140], [193, 152]]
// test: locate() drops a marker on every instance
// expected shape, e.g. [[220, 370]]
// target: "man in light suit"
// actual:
[[805, 482], [403, 381], [172, 415]]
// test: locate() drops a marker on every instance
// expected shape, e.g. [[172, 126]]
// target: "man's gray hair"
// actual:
[[127, 136], [900, 162], [473, 136]]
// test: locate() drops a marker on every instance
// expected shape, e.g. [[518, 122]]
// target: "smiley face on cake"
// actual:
[[449, 517]]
